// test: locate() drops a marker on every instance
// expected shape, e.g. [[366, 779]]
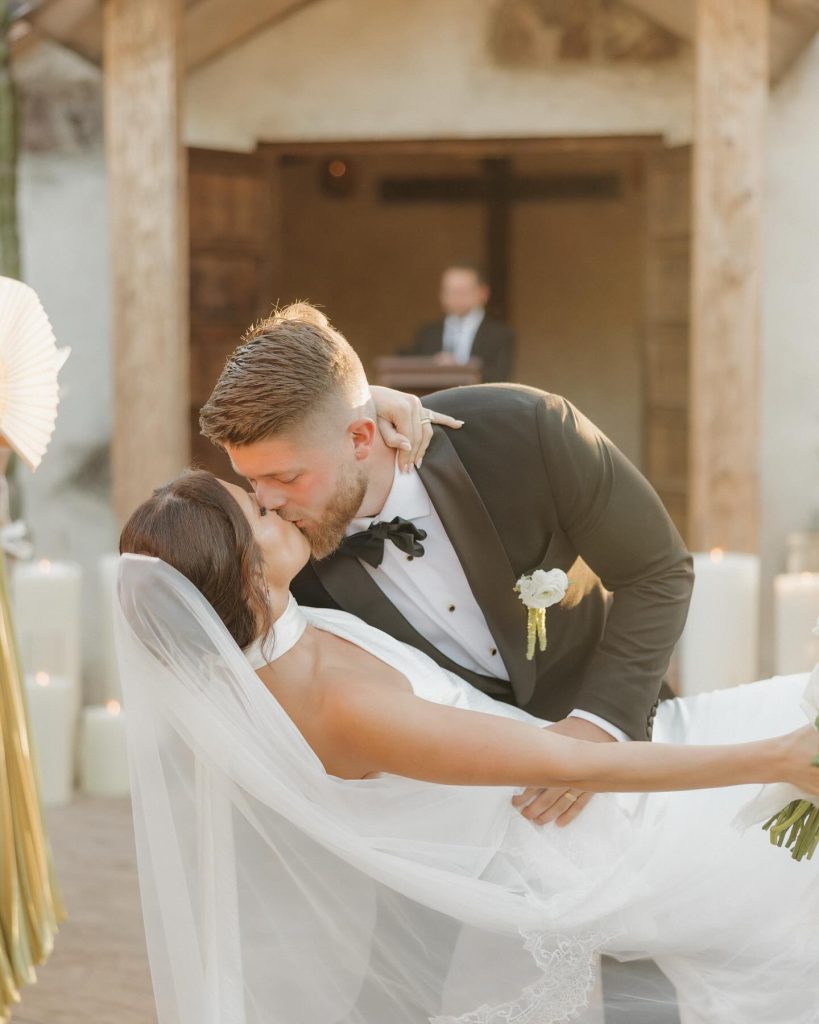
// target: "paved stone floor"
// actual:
[[98, 973]]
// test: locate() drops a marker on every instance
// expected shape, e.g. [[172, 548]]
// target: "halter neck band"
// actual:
[[285, 633]]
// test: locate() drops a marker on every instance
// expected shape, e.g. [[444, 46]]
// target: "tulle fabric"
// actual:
[[273, 891]]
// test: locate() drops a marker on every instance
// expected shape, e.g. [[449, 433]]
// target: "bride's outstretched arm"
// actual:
[[405, 735]]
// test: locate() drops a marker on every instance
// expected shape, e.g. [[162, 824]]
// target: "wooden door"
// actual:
[[234, 268], [666, 338]]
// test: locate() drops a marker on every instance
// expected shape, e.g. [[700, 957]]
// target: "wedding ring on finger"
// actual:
[[426, 419], [571, 797]]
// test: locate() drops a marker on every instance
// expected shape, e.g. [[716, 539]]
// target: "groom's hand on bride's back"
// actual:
[[561, 805], [406, 425]]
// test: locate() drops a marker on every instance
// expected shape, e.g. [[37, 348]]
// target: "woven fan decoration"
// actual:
[[29, 364]]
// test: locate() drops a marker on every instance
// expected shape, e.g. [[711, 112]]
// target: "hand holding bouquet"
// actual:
[[790, 817]]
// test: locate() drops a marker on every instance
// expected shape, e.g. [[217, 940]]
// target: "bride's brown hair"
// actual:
[[195, 525]]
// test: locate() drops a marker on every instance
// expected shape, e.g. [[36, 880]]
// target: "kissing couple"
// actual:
[[357, 800]]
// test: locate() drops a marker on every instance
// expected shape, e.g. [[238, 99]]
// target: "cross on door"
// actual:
[[497, 188]]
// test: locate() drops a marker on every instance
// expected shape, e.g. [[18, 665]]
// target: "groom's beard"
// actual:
[[325, 534]]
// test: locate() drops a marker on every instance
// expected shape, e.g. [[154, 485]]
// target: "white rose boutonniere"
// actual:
[[538, 591]]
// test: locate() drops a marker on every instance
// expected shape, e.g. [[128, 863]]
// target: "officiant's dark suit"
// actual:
[[530, 483], [494, 345]]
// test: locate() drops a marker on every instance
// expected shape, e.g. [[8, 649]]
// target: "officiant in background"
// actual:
[[465, 331]]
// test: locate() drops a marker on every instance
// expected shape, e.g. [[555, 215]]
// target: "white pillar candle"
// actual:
[[719, 646], [103, 751], [796, 608], [107, 577], [47, 615], [52, 715]]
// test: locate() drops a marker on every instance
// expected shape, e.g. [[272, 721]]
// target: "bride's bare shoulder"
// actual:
[[320, 684], [338, 694], [334, 718]]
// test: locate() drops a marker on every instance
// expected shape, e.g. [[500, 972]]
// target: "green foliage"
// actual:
[[9, 239], [9, 127], [796, 827]]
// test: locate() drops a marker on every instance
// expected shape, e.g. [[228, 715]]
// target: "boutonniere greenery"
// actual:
[[538, 591]]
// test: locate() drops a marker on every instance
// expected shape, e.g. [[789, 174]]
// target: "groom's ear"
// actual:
[[362, 433]]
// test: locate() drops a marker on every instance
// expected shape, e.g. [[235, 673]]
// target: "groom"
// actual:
[[432, 556]]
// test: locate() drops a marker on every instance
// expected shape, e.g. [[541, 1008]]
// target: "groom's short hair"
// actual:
[[287, 368]]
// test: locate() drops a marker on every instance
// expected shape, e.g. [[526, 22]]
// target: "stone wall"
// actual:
[[790, 349], [358, 69], [64, 238]]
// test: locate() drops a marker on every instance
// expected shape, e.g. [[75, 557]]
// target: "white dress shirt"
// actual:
[[433, 593], [459, 334]]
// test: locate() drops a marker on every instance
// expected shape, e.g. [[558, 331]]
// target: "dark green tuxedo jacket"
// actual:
[[530, 483]]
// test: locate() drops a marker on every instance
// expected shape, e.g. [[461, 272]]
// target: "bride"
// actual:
[[325, 830]]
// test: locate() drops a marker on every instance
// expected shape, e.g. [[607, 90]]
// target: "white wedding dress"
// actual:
[[276, 894]]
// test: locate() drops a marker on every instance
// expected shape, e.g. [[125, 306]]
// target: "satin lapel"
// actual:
[[482, 556], [352, 588]]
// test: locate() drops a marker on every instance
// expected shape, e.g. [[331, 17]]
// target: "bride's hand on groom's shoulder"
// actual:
[[405, 424], [561, 804]]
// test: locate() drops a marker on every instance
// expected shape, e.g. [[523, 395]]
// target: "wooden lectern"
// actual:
[[421, 375]]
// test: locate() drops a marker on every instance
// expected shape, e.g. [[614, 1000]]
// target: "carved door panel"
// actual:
[[234, 244]]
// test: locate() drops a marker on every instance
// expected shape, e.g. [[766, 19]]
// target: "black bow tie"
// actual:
[[369, 544]]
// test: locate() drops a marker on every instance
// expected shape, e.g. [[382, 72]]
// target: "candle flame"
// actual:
[[717, 554], [44, 565], [113, 707], [42, 678]]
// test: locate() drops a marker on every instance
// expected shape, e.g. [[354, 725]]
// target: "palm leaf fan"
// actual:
[[29, 364]]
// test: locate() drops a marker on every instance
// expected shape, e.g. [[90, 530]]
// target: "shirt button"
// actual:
[[451, 608], [493, 651], [410, 557]]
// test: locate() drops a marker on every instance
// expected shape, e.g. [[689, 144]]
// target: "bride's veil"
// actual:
[[272, 891]]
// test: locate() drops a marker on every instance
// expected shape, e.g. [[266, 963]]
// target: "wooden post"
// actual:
[[728, 169], [147, 186]]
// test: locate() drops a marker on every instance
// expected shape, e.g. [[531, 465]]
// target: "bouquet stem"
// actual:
[[796, 827]]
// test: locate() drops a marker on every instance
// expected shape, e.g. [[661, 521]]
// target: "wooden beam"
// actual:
[[672, 15], [519, 189], [147, 181], [793, 23], [75, 24], [728, 172], [477, 148], [212, 27]]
